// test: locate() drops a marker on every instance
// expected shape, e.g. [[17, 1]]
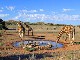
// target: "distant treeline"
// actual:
[[3, 23], [12, 22]]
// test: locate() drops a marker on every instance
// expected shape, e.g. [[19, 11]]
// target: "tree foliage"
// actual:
[[2, 25]]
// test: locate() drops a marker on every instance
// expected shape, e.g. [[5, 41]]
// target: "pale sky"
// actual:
[[51, 11]]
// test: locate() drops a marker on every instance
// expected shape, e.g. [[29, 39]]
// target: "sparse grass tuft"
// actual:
[[1, 43]]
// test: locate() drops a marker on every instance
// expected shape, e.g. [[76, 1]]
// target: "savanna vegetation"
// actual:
[[48, 30]]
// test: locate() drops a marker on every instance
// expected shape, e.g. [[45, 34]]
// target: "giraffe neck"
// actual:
[[26, 25], [68, 30], [59, 35]]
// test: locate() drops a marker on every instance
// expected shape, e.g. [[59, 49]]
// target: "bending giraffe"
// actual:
[[28, 28], [69, 30], [21, 30]]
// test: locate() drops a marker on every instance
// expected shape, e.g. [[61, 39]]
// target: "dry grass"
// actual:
[[44, 30]]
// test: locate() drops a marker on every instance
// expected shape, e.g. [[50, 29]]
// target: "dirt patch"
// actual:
[[10, 37]]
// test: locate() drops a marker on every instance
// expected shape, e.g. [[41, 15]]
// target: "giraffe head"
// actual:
[[19, 23]]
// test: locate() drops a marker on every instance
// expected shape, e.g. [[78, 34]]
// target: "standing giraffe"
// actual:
[[69, 30], [21, 29], [28, 28]]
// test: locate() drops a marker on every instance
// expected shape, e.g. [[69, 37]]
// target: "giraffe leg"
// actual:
[[72, 38], [28, 32], [22, 35], [32, 32], [69, 36], [66, 37], [19, 34]]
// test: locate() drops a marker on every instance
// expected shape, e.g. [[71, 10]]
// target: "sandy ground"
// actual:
[[13, 37]]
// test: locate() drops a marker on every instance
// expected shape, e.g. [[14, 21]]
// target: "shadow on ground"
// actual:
[[38, 37], [27, 56]]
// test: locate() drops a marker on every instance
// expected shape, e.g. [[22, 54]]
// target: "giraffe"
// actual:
[[28, 28], [69, 30], [21, 30]]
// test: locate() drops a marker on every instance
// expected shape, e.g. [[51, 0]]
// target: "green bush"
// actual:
[[1, 26], [1, 43], [30, 49], [76, 42]]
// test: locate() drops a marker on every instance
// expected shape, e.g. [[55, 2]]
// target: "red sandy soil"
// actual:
[[47, 36]]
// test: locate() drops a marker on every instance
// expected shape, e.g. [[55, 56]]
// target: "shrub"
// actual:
[[1, 26], [76, 42], [1, 43], [30, 49]]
